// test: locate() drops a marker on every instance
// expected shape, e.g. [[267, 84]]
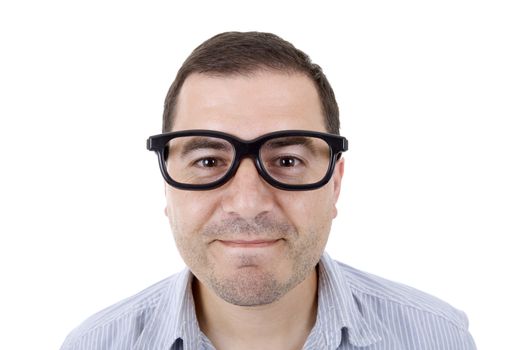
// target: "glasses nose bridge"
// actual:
[[245, 149]]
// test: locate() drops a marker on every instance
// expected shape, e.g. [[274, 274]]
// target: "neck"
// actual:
[[283, 324]]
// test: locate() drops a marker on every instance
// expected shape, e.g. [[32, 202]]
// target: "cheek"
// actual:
[[188, 211], [309, 210]]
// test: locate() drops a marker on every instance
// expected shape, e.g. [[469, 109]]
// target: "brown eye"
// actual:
[[208, 162], [287, 162]]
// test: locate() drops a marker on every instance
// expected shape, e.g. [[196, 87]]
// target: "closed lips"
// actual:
[[249, 243]]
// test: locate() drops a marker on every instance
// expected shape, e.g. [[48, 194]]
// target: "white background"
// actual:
[[432, 100]]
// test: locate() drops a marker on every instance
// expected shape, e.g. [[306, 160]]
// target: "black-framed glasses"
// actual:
[[287, 159]]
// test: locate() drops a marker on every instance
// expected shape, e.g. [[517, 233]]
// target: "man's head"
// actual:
[[235, 53], [247, 241]]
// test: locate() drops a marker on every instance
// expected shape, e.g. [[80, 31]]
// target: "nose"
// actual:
[[247, 195]]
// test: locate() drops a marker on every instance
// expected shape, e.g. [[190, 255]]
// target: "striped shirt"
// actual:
[[356, 311]]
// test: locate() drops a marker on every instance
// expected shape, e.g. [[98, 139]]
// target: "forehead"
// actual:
[[249, 105]]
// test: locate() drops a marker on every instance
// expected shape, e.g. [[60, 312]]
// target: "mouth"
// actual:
[[240, 243]]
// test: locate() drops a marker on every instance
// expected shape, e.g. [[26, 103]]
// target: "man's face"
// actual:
[[248, 242]]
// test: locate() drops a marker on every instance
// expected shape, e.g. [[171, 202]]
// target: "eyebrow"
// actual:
[[203, 143], [292, 141]]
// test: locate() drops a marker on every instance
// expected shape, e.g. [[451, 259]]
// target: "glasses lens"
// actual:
[[198, 160], [296, 160]]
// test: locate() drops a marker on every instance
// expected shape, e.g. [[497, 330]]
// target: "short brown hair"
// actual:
[[243, 53]]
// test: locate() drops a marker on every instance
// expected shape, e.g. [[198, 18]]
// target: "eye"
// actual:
[[288, 162], [208, 162]]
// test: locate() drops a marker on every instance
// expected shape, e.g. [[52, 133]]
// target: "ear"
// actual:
[[337, 178]]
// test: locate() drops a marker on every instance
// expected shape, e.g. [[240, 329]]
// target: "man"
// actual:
[[251, 156]]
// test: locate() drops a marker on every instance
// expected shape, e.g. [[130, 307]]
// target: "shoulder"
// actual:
[[406, 302], [124, 320]]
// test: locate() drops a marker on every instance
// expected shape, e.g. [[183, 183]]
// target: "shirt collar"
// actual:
[[339, 317], [174, 317]]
